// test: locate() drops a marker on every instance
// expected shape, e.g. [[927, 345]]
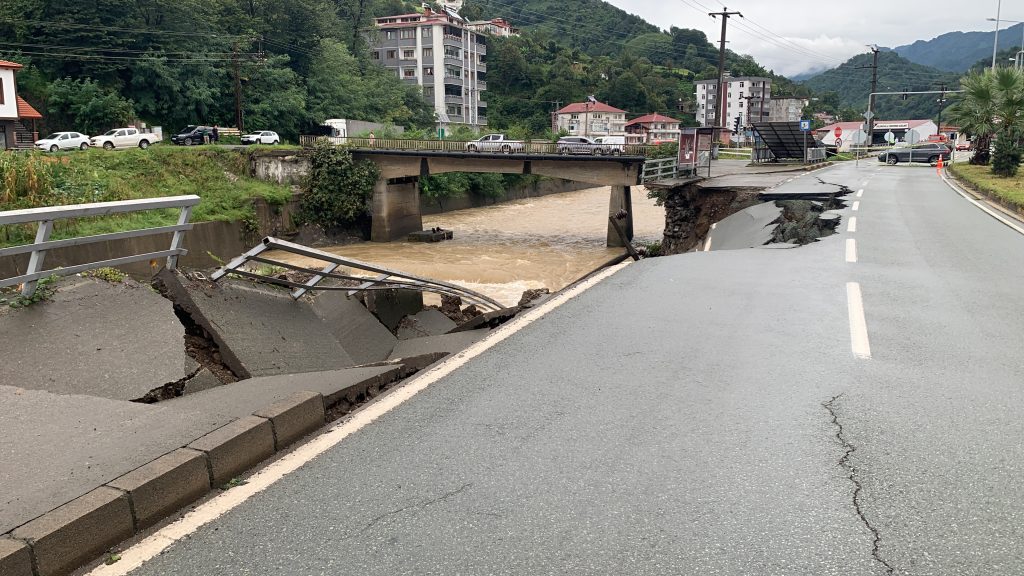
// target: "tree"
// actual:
[[992, 106], [85, 106]]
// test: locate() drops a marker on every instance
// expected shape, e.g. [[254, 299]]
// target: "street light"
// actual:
[[995, 43], [1019, 60]]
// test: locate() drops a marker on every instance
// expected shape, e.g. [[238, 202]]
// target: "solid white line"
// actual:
[[209, 511], [851, 250], [707, 245], [851, 225], [858, 326], [860, 193], [856, 205], [986, 209]]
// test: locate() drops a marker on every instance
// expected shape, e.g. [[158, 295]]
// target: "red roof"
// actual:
[[650, 118], [577, 107], [27, 111], [10, 65]]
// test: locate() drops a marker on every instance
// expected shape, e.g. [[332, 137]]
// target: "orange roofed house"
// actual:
[[15, 112]]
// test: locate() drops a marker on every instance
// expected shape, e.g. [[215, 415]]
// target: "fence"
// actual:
[[46, 216], [812, 155], [513, 147], [660, 169]]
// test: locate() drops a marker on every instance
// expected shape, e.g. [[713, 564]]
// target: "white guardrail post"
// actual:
[[35, 261]]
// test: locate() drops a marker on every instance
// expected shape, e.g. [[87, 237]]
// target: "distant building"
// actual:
[[652, 129], [440, 53], [748, 98], [496, 27], [591, 119], [885, 132], [786, 109], [14, 111]]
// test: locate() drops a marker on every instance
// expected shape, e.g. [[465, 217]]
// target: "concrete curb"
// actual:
[[995, 202], [82, 530]]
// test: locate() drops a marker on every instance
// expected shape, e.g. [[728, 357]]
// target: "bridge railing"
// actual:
[[660, 169], [45, 218], [517, 147], [814, 155]]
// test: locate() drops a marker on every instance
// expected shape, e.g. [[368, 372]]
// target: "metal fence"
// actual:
[[514, 147], [813, 155], [660, 169], [45, 217]]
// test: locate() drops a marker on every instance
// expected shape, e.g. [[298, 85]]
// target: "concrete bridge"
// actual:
[[396, 206]]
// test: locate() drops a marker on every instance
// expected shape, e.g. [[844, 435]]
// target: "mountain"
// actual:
[[958, 51], [851, 83]]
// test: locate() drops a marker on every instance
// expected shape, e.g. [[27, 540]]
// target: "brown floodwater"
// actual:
[[504, 249]]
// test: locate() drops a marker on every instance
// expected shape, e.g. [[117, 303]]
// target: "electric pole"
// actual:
[[871, 97], [238, 87], [942, 100], [720, 106]]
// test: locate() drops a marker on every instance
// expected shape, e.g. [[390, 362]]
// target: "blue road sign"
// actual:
[[805, 125]]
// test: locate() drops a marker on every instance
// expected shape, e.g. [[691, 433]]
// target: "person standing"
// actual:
[[216, 133], [372, 139]]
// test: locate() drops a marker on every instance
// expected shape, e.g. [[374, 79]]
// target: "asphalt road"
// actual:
[[700, 414]]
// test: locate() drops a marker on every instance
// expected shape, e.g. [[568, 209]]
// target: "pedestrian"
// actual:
[[372, 138], [216, 133]]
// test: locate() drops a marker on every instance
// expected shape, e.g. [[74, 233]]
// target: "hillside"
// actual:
[[958, 51], [851, 81]]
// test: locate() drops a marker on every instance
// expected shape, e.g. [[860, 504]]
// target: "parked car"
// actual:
[[925, 153], [495, 143], [124, 138], [612, 144], [963, 147], [63, 141], [577, 145], [193, 135], [261, 137]]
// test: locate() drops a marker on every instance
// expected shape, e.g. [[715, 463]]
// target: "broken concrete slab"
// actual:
[[61, 447], [259, 330], [747, 228], [358, 331], [390, 306], [164, 485], [487, 320], [294, 417], [248, 396], [203, 380], [79, 531], [15, 558], [116, 341], [450, 343], [429, 322], [236, 447]]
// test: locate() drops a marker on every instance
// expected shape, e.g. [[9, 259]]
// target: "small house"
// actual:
[[17, 117]]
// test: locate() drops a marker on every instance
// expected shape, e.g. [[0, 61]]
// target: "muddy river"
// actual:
[[504, 249]]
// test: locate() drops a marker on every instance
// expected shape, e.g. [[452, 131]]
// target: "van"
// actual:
[[611, 144]]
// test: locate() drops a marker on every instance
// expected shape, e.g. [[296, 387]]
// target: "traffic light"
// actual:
[[905, 95], [736, 125]]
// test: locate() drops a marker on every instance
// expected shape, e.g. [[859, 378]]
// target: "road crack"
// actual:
[[851, 474], [377, 519]]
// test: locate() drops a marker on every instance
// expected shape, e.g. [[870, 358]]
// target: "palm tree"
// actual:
[[992, 106], [1009, 86], [976, 113]]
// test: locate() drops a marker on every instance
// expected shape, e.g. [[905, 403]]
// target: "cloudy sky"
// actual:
[[795, 36]]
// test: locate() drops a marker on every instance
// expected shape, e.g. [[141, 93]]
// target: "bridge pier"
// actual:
[[621, 199], [395, 209]]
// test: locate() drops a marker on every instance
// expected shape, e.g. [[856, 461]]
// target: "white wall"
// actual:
[[9, 109]]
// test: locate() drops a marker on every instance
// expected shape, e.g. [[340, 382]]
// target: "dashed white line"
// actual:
[[858, 325], [860, 193], [851, 250], [856, 206], [216, 507], [851, 225]]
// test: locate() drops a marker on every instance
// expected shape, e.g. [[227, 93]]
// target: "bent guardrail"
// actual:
[[48, 215]]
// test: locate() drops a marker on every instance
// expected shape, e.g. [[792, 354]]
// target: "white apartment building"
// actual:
[[440, 53], [748, 98], [786, 109]]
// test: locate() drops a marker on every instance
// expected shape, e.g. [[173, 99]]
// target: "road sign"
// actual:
[[805, 125], [913, 137], [869, 115], [839, 142], [890, 137], [839, 131]]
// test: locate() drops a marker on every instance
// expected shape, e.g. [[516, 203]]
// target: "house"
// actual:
[[440, 53], [747, 100], [652, 129], [591, 119], [14, 111], [885, 132], [496, 27]]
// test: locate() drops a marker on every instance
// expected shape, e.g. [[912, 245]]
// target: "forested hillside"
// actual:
[[850, 84], [957, 51]]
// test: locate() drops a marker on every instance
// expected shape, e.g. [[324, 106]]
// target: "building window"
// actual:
[[451, 52], [741, 84], [452, 72], [741, 103], [428, 92], [407, 33], [392, 54], [409, 54], [409, 73], [454, 109], [390, 35], [428, 53], [428, 70], [427, 31], [376, 56]]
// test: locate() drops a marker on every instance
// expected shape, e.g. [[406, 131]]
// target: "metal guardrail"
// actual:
[[388, 278], [812, 155], [46, 217], [660, 169], [518, 147]]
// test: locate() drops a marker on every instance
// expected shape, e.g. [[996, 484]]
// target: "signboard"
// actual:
[[890, 137], [839, 131], [868, 115], [892, 125], [839, 142], [913, 137], [805, 125]]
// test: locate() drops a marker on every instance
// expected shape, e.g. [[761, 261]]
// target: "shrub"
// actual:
[[338, 189]]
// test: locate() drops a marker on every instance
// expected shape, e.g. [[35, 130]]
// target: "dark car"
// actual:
[[193, 135], [925, 153]]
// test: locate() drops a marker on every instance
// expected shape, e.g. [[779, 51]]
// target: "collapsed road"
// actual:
[[747, 411]]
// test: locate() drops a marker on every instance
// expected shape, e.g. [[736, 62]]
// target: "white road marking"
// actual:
[[858, 326], [219, 505], [986, 209], [851, 250], [860, 193], [864, 183], [851, 225], [856, 206], [707, 245]]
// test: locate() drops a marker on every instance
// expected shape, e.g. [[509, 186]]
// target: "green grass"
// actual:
[[980, 178], [219, 176]]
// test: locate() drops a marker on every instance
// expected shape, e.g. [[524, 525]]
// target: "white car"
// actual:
[[124, 138], [261, 137], [63, 141]]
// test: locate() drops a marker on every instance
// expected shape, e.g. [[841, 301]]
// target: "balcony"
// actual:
[[481, 104], [481, 67], [450, 40], [453, 61], [453, 99], [481, 85], [481, 48], [481, 120], [453, 80]]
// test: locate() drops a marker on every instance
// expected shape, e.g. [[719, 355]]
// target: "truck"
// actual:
[[495, 143], [125, 138], [342, 127]]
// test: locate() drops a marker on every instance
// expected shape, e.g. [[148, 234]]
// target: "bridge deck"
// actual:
[[499, 156]]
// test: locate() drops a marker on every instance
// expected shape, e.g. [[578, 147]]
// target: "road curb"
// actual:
[[77, 532], [236, 447], [294, 417], [159, 488], [15, 558]]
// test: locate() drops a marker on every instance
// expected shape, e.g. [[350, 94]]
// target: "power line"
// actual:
[[146, 32]]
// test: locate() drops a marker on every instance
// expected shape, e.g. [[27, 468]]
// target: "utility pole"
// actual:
[[942, 100], [720, 102], [871, 97], [236, 69], [995, 43]]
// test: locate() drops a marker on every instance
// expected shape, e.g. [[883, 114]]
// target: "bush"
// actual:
[[1006, 159], [338, 189]]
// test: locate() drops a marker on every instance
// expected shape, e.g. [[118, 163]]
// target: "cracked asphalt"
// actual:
[[699, 414]]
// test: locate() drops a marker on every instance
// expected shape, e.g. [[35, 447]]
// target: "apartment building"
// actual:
[[748, 98], [438, 51], [787, 109]]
